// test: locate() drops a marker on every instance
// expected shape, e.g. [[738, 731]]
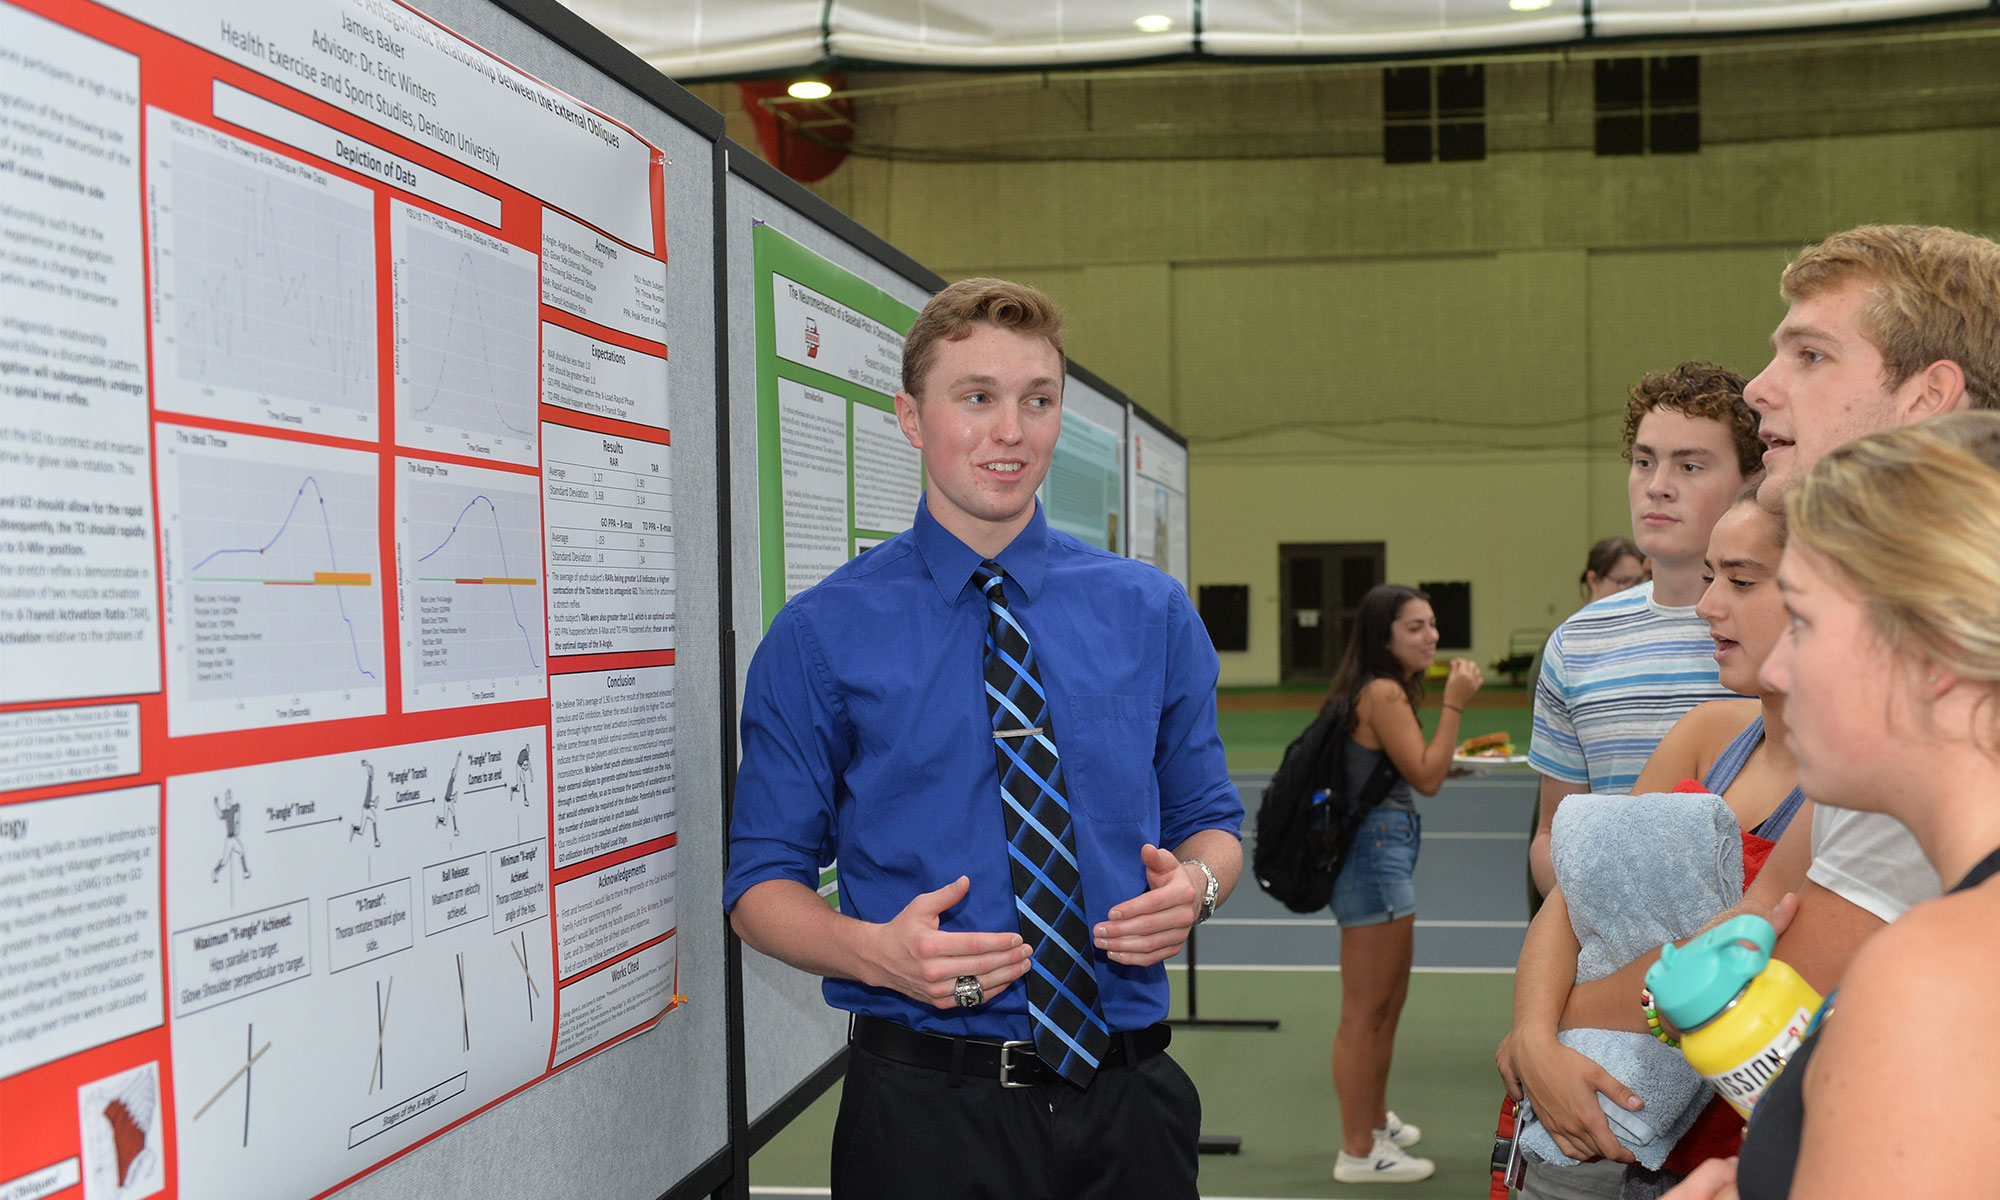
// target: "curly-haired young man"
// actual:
[[1619, 673]]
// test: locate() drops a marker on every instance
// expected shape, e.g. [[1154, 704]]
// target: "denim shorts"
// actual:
[[1375, 883]]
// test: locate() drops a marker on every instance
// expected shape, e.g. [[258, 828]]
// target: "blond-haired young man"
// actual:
[[876, 730]]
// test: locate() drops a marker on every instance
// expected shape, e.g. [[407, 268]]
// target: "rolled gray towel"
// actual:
[[1637, 872]]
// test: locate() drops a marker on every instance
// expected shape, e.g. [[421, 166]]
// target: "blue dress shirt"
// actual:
[[866, 738]]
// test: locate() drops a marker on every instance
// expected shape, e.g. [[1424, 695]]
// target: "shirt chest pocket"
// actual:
[[1110, 767]]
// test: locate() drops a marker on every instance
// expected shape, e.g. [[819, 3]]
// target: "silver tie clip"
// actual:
[[1013, 733]]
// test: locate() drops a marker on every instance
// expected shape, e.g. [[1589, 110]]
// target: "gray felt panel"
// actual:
[[789, 1032], [636, 1119]]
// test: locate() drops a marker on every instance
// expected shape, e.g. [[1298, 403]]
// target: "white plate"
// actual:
[[1480, 764]]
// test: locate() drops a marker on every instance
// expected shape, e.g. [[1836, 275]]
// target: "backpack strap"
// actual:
[[1380, 780]]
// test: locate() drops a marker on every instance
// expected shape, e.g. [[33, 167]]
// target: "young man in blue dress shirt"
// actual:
[[867, 737]]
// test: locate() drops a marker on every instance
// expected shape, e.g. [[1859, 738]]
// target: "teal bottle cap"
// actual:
[[1692, 984]]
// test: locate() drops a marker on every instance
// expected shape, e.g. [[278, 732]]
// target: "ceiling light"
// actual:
[[809, 89], [1153, 23], [1528, 5]]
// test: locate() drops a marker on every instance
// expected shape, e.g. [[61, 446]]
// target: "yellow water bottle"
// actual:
[[1740, 1013]]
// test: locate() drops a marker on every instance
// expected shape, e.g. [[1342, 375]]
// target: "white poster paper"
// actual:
[[391, 66], [1159, 533], [818, 331], [614, 750], [466, 351], [609, 510], [594, 376], [80, 955], [812, 438], [888, 473], [273, 581], [586, 273], [263, 284], [469, 599], [77, 615], [346, 978]]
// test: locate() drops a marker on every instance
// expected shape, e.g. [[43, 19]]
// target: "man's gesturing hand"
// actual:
[[912, 955], [1152, 926]]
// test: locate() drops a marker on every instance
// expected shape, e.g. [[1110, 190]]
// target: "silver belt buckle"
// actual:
[[1007, 1063]]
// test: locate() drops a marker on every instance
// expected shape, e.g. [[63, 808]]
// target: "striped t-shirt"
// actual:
[[1615, 678]]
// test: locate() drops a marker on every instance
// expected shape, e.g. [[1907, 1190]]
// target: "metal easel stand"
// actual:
[[1214, 1143]]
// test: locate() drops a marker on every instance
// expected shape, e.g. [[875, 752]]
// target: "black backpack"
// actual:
[[1300, 844]]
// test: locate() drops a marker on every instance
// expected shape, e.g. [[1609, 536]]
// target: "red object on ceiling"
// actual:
[[797, 155]]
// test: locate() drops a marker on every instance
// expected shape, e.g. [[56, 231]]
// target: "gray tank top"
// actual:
[[1360, 764]]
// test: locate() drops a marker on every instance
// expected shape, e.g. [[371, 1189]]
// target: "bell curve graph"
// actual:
[[468, 585], [263, 285], [468, 339], [274, 591]]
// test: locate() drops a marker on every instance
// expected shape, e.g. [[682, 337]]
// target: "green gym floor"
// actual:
[[1272, 1088]]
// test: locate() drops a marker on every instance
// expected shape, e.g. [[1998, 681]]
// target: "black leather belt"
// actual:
[[1014, 1064]]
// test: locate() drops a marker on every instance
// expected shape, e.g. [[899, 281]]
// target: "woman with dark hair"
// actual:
[[1378, 685], [1614, 564]]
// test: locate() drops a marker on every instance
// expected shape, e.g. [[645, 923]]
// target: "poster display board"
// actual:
[[835, 473], [1084, 492], [772, 227], [1159, 497], [338, 769]]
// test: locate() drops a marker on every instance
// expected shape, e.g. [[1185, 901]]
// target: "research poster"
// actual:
[[835, 474], [337, 590], [1158, 506], [1084, 492]]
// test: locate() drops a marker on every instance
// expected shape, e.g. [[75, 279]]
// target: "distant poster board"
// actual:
[[1084, 494], [835, 473], [1159, 498]]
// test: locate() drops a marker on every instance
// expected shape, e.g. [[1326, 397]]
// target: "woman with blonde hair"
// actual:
[[1891, 672]]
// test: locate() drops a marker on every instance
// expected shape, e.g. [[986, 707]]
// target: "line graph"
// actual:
[[264, 285], [274, 610], [469, 553], [467, 339]]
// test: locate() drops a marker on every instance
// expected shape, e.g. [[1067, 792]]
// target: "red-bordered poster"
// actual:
[[336, 591]]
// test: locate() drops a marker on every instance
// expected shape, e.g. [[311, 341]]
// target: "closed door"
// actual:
[[1320, 586]]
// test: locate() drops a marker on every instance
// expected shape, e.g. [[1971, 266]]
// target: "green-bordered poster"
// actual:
[[835, 475]]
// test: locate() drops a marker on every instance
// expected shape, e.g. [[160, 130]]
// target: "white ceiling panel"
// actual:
[[694, 39], [1636, 18], [974, 33], [690, 38], [1343, 28]]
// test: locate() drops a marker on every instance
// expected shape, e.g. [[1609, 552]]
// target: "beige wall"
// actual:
[[1433, 356]]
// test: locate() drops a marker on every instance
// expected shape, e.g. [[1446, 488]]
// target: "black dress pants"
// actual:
[[907, 1132]]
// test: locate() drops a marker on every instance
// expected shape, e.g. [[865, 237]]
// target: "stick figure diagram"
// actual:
[[524, 774], [232, 841], [368, 810], [450, 812]]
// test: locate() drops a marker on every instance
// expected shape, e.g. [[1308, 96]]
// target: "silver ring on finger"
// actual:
[[968, 992]]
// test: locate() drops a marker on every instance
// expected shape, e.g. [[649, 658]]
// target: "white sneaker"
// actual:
[[1396, 1130], [1387, 1163]]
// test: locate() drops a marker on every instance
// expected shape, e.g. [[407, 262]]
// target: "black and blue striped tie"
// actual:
[[1070, 1033]]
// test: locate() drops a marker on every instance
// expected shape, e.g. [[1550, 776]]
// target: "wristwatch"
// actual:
[[1210, 892]]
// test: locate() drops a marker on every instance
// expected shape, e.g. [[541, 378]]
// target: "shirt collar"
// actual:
[[951, 561]]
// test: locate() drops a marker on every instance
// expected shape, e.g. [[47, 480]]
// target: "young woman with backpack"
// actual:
[[1380, 681]]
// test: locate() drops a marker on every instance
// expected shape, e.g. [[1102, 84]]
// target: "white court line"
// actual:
[[1212, 968], [1474, 837], [1327, 921]]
